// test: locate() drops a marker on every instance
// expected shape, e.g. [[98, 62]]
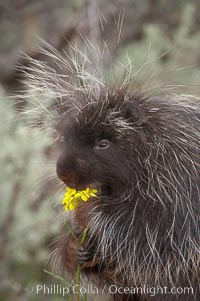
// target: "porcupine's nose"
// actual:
[[72, 171]]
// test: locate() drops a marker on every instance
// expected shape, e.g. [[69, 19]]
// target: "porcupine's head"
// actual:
[[142, 153], [100, 143]]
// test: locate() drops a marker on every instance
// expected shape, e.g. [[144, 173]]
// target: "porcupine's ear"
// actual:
[[134, 112]]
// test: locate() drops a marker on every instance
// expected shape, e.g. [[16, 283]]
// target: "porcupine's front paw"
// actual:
[[75, 254], [70, 254]]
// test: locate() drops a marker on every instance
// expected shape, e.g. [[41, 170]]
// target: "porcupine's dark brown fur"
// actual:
[[142, 152]]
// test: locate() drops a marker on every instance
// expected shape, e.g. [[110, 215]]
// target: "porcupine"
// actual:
[[142, 152]]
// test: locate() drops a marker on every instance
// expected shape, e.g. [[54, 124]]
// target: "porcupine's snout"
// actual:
[[73, 171]]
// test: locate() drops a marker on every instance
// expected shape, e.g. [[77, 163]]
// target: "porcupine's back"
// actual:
[[145, 225]]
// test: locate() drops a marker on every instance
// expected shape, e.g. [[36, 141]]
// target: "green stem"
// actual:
[[84, 236], [85, 297], [78, 271], [64, 283], [71, 231]]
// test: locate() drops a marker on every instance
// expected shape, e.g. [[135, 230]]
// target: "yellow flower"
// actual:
[[73, 197]]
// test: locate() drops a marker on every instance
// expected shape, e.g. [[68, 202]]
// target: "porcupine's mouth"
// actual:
[[103, 190]]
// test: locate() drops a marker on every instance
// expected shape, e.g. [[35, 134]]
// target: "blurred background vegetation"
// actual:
[[163, 36]]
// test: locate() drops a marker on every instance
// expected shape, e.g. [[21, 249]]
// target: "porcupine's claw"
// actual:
[[87, 258], [84, 256]]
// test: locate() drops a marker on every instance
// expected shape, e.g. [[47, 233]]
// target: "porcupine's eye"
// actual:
[[102, 144]]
